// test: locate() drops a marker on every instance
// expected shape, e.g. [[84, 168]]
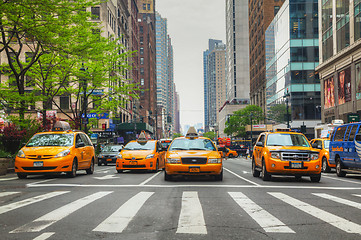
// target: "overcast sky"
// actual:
[[190, 24]]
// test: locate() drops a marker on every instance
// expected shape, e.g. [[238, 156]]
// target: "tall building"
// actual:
[[340, 60], [261, 13], [237, 50], [291, 59], [214, 81]]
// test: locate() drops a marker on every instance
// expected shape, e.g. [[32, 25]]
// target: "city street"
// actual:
[[141, 205]]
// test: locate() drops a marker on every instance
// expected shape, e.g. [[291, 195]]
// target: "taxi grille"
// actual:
[[38, 168], [295, 156], [133, 159], [189, 160], [39, 156]]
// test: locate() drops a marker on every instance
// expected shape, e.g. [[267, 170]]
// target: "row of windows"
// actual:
[[350, 131]]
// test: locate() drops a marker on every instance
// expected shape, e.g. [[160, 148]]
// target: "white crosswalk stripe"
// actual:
[[341, 223], [120, 219], [58, 214], [266, 220], [3, 194], [357, 195], [15, 205], [191, 218], [339, 200]]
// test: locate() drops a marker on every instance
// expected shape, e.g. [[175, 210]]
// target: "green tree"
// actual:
[[277, 113], [210, 135], [236, 124], [175, 135], [32, 28]]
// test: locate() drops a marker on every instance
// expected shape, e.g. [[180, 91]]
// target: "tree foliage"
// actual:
[[236, 124], [277, 113], [210, 135], [175, 135]]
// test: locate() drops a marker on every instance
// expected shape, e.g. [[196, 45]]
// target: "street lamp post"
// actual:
[[251, 115], [85, 119], [286, 96]]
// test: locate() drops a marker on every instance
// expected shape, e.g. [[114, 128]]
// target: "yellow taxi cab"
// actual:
[[323, 145], [231, 153], [61, 150], [141, 154], [283, 152], [193, 155]]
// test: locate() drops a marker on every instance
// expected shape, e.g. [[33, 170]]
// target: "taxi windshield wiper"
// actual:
[[276, 145], [179, 148], [197, 149]]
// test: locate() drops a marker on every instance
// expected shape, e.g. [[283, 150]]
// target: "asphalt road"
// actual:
[[141, 205]]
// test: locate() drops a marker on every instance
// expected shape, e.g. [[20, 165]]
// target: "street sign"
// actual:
[[353, 117]]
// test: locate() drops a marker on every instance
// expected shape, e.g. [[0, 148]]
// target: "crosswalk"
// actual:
[[191, 217]]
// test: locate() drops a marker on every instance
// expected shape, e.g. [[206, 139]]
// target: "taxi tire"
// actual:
[[105, 164], [230, 155], [119, 171], [264, 174], [339, 171], [74, 167], [325, 167], [90, 170], [219, 177], [316, 178], [99, 163], [255, 172], [22, 175], [167, 177]]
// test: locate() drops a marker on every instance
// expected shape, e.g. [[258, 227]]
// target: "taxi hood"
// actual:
[[290, 148], [193, 153], [53, 150], [136, 153]]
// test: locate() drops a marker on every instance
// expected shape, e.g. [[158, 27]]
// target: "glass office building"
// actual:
[[292, 54]]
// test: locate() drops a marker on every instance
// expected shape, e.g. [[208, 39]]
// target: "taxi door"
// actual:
[[88, 150], [80, 151], [257, 152], [161, 154]]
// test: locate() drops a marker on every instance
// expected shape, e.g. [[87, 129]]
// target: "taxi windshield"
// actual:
[[285, 139], [140, 146], [60, 140], [192, 144], [326, 143], [112, 148]]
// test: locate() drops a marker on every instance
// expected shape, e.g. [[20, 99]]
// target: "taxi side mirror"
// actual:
[[81, 144], [358, 137], [259, 144]]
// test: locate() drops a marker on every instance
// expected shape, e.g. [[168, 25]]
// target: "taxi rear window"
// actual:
[[43, 140]]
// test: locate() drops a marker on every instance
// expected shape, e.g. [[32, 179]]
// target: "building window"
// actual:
[[64, 102], [276, 9], [141, 29], [95, 13], [141, 40], [141, 51], [141, 61], [142, 81], [141, 70], [144, 6]]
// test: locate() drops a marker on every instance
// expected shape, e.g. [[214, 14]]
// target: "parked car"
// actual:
[[241, 151], [323, 145], [109, 154]]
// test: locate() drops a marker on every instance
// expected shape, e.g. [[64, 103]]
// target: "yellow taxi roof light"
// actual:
[[192, 133], [283, 130], [142, 138], [61, 126]]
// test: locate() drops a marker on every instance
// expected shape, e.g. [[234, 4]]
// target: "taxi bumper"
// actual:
[[41, 166], [276, 166], [146, 164], [188, 169]]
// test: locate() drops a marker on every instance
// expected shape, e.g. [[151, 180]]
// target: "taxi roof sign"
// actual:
[[192, 133], [61, 126], [142, 138], [283, 130]]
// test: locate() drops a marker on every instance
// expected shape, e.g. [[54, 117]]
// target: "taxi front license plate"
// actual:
[[38, 164], [296, 165], [133, 163], [109, 159], [194, 170]]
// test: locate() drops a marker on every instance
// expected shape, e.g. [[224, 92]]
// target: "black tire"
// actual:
[[99, 163], [105, 163], [325, 167], [90, 170], [339, 166], [255, 172], [22, 175], [167, 177], [156, 167], [219, 177], [316, 178], [264, 174], [74, 168], [119, 171], [230, 155]]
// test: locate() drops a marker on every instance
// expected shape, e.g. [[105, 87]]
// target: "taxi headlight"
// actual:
[[21, 154], [149, 156], [63, 153], [173, 160], [100, 156], [275, 155], [119, 156], [314, 156], [214, 160]]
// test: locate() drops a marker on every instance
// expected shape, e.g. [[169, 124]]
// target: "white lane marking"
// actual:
[[8, 179], [149, 179], [3, 194], [104, 169], [106, 177], [48, 219], [266, 220], [340, 223], [22, 203], [245, 172], [120, 219], [357, 195], [191, 218], [44, 236], [245, 179], [34, 183], [340, 179], [195, 186], [339, 200]]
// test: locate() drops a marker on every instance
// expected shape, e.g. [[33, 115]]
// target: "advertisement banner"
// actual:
[[329, 88], [344, 86], [358, 81]]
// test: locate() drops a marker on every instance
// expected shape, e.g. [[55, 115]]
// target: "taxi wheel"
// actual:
[[22, 175], [339, 171], [72, 173], [255, 172], [325, 167], [105, 164], [316, 178], [219, 177], [265, 175], [156, 167], [119, 171], [230, 155], [167, 177], [90, 170], [99, 163]]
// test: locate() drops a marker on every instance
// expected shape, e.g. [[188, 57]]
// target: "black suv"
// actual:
[[109, 154]]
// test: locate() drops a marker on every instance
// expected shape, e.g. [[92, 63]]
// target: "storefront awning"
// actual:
[[134, 127]]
